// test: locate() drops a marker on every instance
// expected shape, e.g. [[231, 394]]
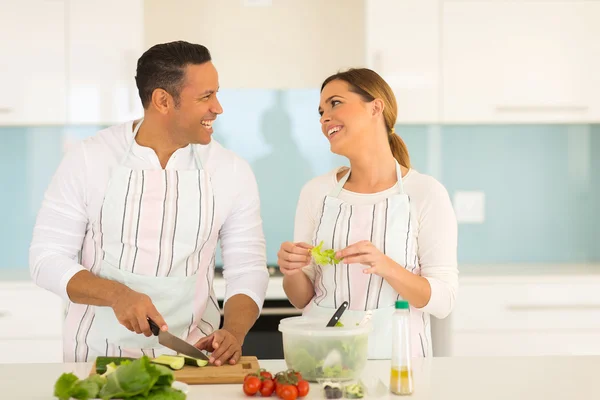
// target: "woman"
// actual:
[[393, 228]]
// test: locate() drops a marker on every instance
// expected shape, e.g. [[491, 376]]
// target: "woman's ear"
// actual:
[[377, 107]]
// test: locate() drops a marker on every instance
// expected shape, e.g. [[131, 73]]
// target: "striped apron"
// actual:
[[388, 225], [154, 233]]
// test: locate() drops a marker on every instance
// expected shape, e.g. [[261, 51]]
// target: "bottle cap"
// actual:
[[401, 305]]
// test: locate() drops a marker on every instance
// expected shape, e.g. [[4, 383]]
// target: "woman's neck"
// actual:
[[372, 172]]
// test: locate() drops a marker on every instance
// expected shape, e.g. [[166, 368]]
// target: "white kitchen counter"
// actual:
[[502, 378]]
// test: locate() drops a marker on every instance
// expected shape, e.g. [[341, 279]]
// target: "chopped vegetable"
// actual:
[[354, 391], [314, 358], [173, 362], [196, 362], [138, 380], [102, 362], [324, 257]]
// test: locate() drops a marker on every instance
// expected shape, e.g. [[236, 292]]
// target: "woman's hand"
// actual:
[[292, 257], [365, 252]]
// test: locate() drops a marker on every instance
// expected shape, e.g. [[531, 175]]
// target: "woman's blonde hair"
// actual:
[[370, 86]]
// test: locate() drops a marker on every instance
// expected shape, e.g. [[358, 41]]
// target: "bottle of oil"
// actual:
[[401, 377]]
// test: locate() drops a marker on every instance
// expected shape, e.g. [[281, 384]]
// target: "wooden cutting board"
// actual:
[[215, 375], [223, 374]]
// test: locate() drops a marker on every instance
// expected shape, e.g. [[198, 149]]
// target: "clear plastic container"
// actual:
[[401, 377], [317, 351]]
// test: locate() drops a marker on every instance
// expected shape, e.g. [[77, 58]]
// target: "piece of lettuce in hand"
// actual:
[[135, 378], [324, 257]]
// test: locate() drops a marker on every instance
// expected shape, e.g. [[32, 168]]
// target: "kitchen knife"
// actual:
[[174, 343], [337, 315]]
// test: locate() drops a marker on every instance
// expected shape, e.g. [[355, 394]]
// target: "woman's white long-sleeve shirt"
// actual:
[[431, 211], [76, 193]]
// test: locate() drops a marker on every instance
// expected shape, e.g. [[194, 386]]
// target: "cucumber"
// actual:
[[195, 362], [173, 362], [102, 362]]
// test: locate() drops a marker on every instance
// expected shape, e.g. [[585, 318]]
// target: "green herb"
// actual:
[[324, 257], [138, 379]]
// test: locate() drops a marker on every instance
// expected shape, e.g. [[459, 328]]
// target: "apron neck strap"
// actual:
[[130, 146], [335, 192]]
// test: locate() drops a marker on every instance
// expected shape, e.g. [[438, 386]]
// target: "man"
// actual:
[[145, 202]]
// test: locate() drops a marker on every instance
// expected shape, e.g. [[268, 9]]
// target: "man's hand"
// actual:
[[133, 309], [223, 345]]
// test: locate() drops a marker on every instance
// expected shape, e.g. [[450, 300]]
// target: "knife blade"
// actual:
[[337, 315], [174, 343]]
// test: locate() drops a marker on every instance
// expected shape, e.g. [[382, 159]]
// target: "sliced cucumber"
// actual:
[[196, 362], [173, 362], [102, 363]]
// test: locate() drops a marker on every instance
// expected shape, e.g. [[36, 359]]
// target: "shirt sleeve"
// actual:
[[437, 250], [60, 226], [242, 240]]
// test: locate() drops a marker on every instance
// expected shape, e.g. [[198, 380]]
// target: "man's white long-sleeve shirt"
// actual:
[[76, 192]]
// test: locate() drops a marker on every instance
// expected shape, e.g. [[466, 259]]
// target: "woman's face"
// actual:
[[345, 118]]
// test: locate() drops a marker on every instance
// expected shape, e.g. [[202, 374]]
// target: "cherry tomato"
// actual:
[[248, 376], [289, 392], [268, 386], [303, 388], [278, 387], [298, 375], [252, 385], [266, 374]]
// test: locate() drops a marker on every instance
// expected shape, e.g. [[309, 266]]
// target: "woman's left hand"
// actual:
[[365, 252]]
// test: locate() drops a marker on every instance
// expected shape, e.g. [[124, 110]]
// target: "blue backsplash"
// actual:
[[541, 182]]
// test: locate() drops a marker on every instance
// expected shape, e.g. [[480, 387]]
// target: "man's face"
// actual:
[[198, 104]]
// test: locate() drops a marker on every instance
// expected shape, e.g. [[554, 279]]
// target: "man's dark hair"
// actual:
[[163, 66]]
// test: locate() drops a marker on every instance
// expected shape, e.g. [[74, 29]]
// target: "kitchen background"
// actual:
[[498, 99]]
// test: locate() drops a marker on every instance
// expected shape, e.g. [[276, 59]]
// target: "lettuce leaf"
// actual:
[[324, 257], [69, 386], [138, 379]]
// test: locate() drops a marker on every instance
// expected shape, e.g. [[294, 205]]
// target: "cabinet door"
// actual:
[[521, 61], [402, 45], [32, 62], [279, 44], [105, 40]]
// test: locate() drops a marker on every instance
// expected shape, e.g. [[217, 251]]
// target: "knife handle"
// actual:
[[153, 327], [337, 315]]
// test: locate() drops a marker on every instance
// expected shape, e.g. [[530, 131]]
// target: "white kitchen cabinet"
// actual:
[[105, 40], [31, 323], [32, 62], [283, 45], [403, 46], [520, 61], [527, 315]]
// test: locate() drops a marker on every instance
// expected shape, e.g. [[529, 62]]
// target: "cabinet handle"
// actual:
[[5, 110], [4, 314], [542, 108], [552, 307]]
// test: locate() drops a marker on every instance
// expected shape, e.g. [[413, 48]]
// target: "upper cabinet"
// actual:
[[281, 45], [104, 42], [403, 46], [520, 61], [32, 66]]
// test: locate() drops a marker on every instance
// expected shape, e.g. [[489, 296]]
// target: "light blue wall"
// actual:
[[542, 182]]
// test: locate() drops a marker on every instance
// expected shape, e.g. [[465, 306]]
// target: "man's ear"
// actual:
[[377, 107], [161, 100]]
